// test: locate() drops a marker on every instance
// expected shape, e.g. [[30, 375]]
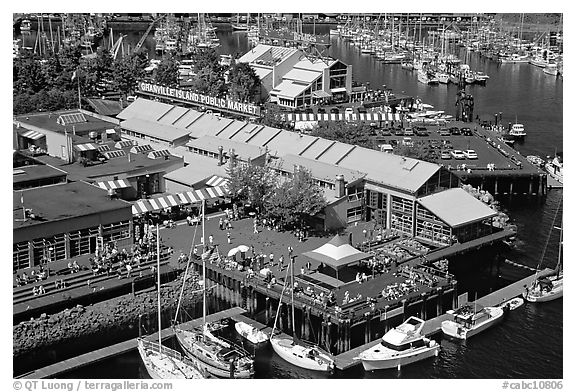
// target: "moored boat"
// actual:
[[251, 333], [551, 69], [471, 319], [513, 303], [555, 167], [400, 346], [517, 130]]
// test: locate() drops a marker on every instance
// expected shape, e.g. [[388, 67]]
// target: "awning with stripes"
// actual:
[[32, 135], [159, 154], [116, 184], [104, 148], [145, 148], [344, 117], [217, 181], [114, 154], [150, 205], [86, 147], [124, 144]]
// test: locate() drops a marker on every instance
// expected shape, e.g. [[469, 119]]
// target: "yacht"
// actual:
[[555, 168], [400, 346], [253, 334], [517, 130], [470, 320]]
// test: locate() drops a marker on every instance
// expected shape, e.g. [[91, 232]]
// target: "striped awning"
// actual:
[[203, 194], [86, 147], [141, 206], [124, 144], [145, 148], [116, 184], [156, 204], [372, 117], [104, 148], [32, 135], [114, 154], [159, 154], [217, 181]]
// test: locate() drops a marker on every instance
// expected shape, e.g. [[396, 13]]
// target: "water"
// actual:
[[528, 344]]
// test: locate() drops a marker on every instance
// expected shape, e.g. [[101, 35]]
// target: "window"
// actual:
[[20, 256], [116, 231], [354, 214], [53, 248], [83, 242]]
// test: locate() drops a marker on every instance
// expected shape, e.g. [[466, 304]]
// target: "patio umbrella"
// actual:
[[243, 248], [232, 252]]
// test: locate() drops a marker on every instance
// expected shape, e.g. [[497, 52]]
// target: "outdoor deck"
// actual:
[[121, 348]]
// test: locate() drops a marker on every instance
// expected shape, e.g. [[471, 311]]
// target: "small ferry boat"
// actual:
[[471, 319], [551, 69], [253, 334], [481, 77], [536, 160], [514, 59], [400, 346], [517, 130], [407, 65], [25, 25], [555, 167]]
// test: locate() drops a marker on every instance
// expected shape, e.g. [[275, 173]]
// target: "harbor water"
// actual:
[[528, 343]]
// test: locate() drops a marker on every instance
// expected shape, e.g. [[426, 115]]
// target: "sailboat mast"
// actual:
[[203, 264], [292, 299], [158, 269], [558, 268]]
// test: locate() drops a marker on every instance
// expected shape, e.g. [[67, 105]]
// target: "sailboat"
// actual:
[[213, 354], [550, 286], [240, 27], [160, 361], [299, 353]]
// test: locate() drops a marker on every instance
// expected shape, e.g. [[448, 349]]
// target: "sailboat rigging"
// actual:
[[162, 362]]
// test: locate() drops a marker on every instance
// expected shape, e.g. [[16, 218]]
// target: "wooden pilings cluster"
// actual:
[[511, 185]]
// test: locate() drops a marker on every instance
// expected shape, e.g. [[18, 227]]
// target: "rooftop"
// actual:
[[289, 89], [35, 172], [154, 129], [302, 75], [319, 170], [57, 202], [242, 150], [456, 207], [144, 109], [199, 168], [49, 121], [316, 65], [267, 55], [105, 107]]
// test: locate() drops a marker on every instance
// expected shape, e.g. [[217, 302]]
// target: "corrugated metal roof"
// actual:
[[317, 65], [211, 144], [170, 117], [144, 109], [456, 207], [230, 130], [287, 142], [335, 153], [199, 169], [389, 169], [167, 133], [319, 170], [302, 75], [187, 118], [261, 72], [289, 89], [315, 147], [247, 132], [208, 124]]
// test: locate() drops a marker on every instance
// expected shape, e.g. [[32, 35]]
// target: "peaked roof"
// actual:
[[337, 253]]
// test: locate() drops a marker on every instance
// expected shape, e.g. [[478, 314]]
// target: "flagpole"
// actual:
[[23, 209], [78, 78]]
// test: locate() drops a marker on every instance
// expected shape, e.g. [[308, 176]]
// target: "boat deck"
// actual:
[[67, 365]]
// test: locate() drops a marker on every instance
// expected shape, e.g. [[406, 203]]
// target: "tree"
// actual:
[[351, 133], [209, 82], [167, 72], [244, 83], [252, 183], [295, 201], [30, 77], [128, 71], [206, 58], [273, 117]]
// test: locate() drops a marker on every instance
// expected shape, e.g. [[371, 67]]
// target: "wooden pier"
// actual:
[[434, 325], [70, 364]]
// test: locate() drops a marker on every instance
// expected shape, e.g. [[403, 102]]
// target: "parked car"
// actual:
[[349, 111], [470, 154], [457, 154], [455, 131], [445, 155], [321, 110], [334, 111], [399, 132], [361, 109], [408, 132], [308, 111], [385, 132], [466, 131], [444, 132], [421, 131]]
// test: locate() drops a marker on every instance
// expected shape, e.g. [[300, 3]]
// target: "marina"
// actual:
[[448, 218]]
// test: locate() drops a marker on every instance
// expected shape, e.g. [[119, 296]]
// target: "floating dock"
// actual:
[[70, 364]]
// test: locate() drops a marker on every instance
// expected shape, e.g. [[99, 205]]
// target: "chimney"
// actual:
[[220, 155], [340, 186]]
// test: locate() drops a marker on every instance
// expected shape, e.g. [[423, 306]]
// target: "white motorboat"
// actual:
[[442, 77], [400, 346], [212, 354], [513, 303], [160, 361], [555, 168], [471, 319], [253, 334], [517, 130], [299, 353], [551, 69]]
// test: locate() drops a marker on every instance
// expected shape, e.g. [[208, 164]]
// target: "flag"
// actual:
[[73, 75]]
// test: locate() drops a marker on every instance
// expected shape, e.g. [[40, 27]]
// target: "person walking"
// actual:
[[271, 259], [210, 239], [221, 223], [228, 236]]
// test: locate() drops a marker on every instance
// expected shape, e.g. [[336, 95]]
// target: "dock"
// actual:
[[554, 183], [433, 326], [70, 364]]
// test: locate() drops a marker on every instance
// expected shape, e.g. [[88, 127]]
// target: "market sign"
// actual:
[[188, 96]]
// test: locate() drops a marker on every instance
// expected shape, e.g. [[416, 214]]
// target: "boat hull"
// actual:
[[191, 344], [457, 331], [295, 354], [556, 292], [252, 334], [400, 360], [167, 365]]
